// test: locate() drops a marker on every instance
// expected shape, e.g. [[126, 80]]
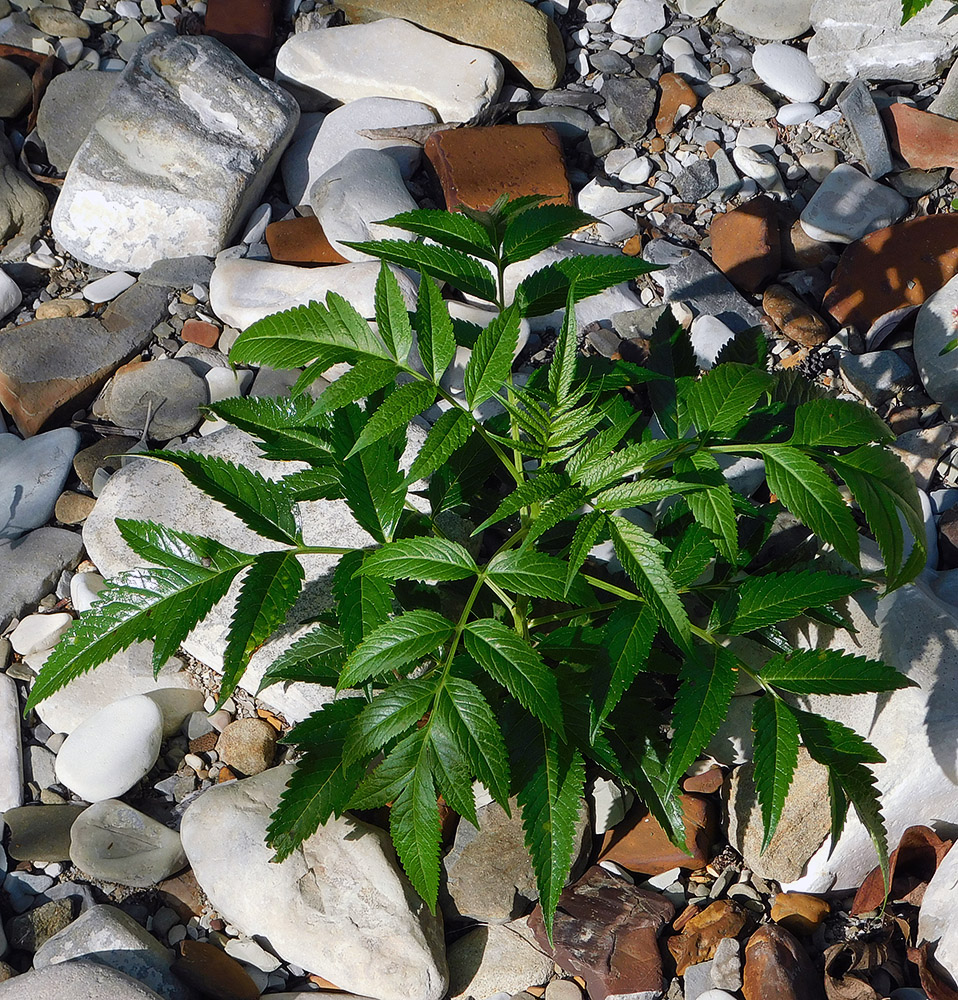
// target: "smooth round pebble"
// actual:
[[789, 71], [796, 114], [108, 287], [10, 294], [638, 18], [39, 632], [638, 171], [83, 590], [676, 46], [112, 750]]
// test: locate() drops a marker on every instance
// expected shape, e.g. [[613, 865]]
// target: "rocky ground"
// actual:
[[168, 175]]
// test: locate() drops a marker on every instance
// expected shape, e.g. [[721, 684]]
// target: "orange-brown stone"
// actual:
[[245, 26], [475, 166], [710, 780], [301, 241], [701, 935], [213, 973], [198, 331], [797, 320], [799, 912], [640, 844], [891, 268], [777, 967], [675, 93], [922, 139], [746, 245]]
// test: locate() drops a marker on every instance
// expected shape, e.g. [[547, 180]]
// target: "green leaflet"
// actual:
[[364, 602], [392, 320], [563, 365], [395, 644], [838, 423], [775, 759], [246, 493], [909, 8], [451, 229], [321, 785], [510, 661], [436, 342], [811, 496], [267, 593], [394, 710], [451, 773], [533, 230], [359, 382], [164, 604], [535, 574], [399, 407], [691, 556], [491, 362], [642, 557], [776, 597], [549, 800], [723, 397], [707, 682], [532, 491], [463, 711], [547, 290], [587, 533], [441, 263], [711, 501], [317, 657], [629, 634], [829, 671], [420, 559], [447, 435]]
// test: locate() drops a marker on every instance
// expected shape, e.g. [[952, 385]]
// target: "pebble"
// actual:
[[796, 114], [41, 833], [15, 89], [773, 22], [761, 168], [248, 745], [107, 288], [112, 750], [10, 294], [740, 102], [789, 71], [638, 18], [32, 475], [39, 632]]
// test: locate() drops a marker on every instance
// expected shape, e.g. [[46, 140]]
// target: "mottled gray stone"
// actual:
[[31, 565], [32, 474], [179, 156], [862, 116], [71, 105], [75, 981], [697, 181], [173, 390], [41, 833], [631, 104], [23, 206]]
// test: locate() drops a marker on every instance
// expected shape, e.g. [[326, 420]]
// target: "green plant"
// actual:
[[909, 8], [481, 640]]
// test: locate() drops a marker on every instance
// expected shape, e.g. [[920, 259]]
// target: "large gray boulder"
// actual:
[[75, 981], [181, 154], [340, 906]]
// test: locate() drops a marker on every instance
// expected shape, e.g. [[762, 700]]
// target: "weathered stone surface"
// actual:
[[894, 268], [935, 327], [922, 139], [117, 843], [630, 102], [740, 102], [866, 38], [209, 159], [75, 981], [30, 930], [498, 958], [798, 912], [677, 98], [776, 965], [52, 366], [213, 973], [848, 205], [31, 565], [606, 931], [110, 937], [339, 900], [858, 107], [513, 29], [166, 389], [391, 58], [770, 22], [489, 876], [702, 934], [40, 833], [23, 206], [70, 107]]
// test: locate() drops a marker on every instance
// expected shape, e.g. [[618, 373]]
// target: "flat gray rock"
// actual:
[[861, 114], [178, 272], [117, 843], [169, 389], [848, 205], [772, 22], [75, 981], [32, 476], [180, 155], [693, 279], [31, 565], [70, 106], [340, 905], [41, 833], [111, 938], [934, 330]]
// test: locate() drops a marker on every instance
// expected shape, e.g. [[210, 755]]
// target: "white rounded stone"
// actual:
[[10, 294], [935, 328], [108, 287], [796, 114], [675, 46], [39, 632], [709, 335], [112, 750], [787, 70], [83, 590], [638, 18], [636, 172]]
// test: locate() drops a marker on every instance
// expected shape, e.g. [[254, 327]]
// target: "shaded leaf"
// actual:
[[775, 758], [491, 362], [435, 340], [316, 657], [449, 433]]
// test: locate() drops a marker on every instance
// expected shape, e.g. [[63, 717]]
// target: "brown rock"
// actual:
[[922, 139], [709, 781], [100, 455], [245, 26], [513, 29], [301, 241], [51, 367], [204, 743], [640, 844], [778, 968], [675, 93], [225, 775], [799, 912], [702, 934], [746, 244], [7, 971], [61, 308], [912, 864], [798, 321], [248, 745], [212, 972], [799, 250], [477, 165], [182, 894], [904, 418], [892, 268], [657, 144], [29, 930], [605, 930], [197, 331], [73, 508]]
